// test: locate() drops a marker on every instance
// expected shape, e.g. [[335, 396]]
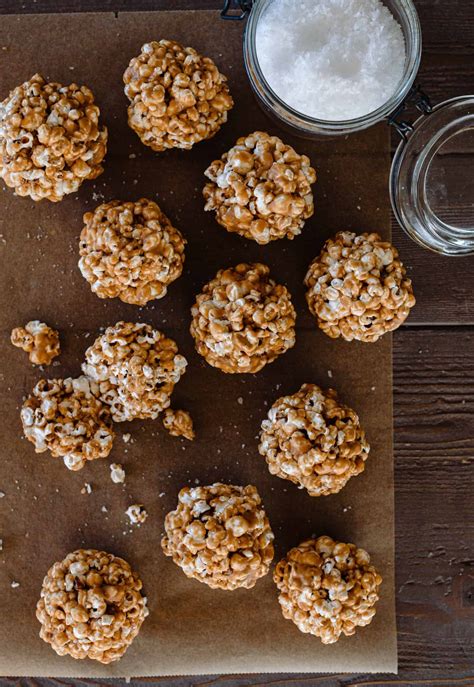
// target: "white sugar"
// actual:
[[331, 59]]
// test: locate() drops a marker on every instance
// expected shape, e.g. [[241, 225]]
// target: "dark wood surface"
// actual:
[[434, 413]]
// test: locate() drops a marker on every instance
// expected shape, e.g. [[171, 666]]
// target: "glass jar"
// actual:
[[433, 164], [403, 10]]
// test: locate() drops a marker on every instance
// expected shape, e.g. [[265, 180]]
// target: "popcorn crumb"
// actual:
[[1, 544], [38, 340], [14, 584], [330, 374], [2, 494], [240, 401], [179, 423], [87, 488], [136, 514], [104, 509], [126, 438], [117, 473]]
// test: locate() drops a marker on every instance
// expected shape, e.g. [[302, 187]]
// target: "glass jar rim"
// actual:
[[270, 98]]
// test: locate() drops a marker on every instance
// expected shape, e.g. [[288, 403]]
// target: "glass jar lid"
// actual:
[[432, 180]]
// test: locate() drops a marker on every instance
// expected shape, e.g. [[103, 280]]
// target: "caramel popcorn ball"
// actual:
[[243, 320], [65, 417], [327, 588], [220, 535], [136, 368], [261, 189], [313, 440], [130, 251], [50, 139], [91, 606], [177, 96], [358, 288], [39, 340], [179, 423]]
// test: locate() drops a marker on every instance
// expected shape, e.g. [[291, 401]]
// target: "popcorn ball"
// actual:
[[51, 139], [130, 251], [177, 96], [65, 417], [179, 423], [39, 340], [136, 368], [91, 606], [358, 288], [261, 189], [313, 440], [327, 588], [243, 320], [220, 535]]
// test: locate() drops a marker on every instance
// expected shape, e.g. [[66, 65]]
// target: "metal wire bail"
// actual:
[[415, 97], [232, 8]]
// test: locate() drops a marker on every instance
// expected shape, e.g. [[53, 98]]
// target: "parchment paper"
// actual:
[[191, 629]]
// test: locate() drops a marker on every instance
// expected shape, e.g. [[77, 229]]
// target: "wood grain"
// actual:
[[434, 413]]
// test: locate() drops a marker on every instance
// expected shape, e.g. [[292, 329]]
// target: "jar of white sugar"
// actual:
[[332, 67]]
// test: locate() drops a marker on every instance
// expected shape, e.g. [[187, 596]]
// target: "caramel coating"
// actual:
[[358, 288], [50, 139], [327, 588], [261, 189], [130, 250], [136, 368], [39, 340], [177, 96], [178, 423], [220, 535], [91, 606], [313, 440], [65, 417], [243, 320]]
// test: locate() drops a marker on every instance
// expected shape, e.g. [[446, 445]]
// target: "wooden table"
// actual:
[[434, 410]]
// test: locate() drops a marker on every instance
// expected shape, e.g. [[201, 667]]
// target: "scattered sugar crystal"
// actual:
[[331, 59]]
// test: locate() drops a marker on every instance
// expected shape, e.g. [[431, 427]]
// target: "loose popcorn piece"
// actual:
[[313, 440], [261, 189], [117, 473], [179, 423], [327, 588], [136, 368], [50, 139], [220, 535], [177, 96], [65, 417], [91, 606], [358, 288], [87, 488], [130, 251], [243, 320], [136, 514], [39, 340]]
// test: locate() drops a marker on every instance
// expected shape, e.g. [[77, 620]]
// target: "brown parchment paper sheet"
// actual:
[[191, 629]]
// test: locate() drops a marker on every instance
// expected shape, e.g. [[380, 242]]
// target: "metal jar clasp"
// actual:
[[236, 9], [422, 103]]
